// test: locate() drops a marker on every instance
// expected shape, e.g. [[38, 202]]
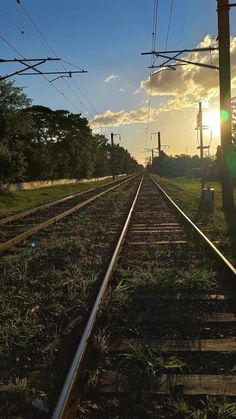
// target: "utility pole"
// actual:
[[159, 142], [159, 145], [225, 101], [200, 127]]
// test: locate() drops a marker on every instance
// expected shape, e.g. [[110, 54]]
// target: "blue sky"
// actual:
[[106, 37]]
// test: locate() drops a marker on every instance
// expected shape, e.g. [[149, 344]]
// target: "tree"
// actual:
[[37, 142], [61, 145], [102, 154], [13, 129]]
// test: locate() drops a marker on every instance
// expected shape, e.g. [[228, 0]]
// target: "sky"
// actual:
[[106, 38]]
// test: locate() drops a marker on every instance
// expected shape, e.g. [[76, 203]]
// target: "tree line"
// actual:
[[38, 143], [185, 165], [192, 166]]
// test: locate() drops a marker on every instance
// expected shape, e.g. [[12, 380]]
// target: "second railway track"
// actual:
[[17, 228], [160, 341]]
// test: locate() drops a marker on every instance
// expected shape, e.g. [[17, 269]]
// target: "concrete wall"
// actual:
[[44, 183]]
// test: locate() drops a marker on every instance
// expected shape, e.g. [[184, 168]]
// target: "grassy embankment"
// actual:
[[13, 202], [218, 225]]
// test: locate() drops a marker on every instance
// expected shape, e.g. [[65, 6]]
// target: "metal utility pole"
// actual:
[[159, 142], [159, 145], [225, 100], [200, 127]]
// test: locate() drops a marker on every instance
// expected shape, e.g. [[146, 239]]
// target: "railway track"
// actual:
[[17, 228], [160, 341]]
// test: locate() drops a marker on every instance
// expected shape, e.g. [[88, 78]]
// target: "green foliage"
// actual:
[[150, 361], [184, 165], [40, 143], [13, 128], [153, 279], [211, 407]]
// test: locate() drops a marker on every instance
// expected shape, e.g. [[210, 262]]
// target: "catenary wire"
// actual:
[[62, 65], [51, 84], [169, 23], [184, 21], [154, 40]]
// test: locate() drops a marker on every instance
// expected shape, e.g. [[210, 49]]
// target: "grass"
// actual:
[[213, 221], [100, 341], [210, 408], [153, 279], [13, 202], [149, 361], [117, 299], [43, 290]]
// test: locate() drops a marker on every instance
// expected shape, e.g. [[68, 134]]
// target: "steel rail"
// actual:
[[216, 251], [60, 409], [30, 211], [20, 237]]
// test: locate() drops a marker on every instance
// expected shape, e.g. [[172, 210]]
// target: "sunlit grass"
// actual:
[[212, 221], [13, 202]]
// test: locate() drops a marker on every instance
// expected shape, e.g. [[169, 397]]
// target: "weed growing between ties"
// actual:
[[143, 405], [212, 220], [47, 292], [117, 299], [159, 281], [208, 408], [148, 360]]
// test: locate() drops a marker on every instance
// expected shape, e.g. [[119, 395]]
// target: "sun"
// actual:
[[212, 120]]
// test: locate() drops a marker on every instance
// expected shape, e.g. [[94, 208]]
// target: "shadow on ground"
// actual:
[[204, 213], [230, 218]]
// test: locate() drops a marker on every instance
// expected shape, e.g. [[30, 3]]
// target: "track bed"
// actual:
[[164, 345]]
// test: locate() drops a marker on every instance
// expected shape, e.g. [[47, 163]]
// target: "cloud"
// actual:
[[185, 87], [123, 117], [111, 77], [122, 90], [188, 84]]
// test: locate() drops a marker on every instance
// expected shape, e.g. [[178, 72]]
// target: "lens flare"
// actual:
[[224, 115]]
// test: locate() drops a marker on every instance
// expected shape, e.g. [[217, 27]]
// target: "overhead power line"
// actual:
[[10, 45], [55, 87], [62, 65], [184, 20], [168, 30], [154, 40], [168, 63], [33, 64]]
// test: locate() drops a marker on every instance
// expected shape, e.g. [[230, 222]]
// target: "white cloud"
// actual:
[[188, 84], [111, 77], [185, 86], [122, 90], [109, 118]]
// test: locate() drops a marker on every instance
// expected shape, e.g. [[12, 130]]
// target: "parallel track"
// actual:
[[192, 331], [17, 228]]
